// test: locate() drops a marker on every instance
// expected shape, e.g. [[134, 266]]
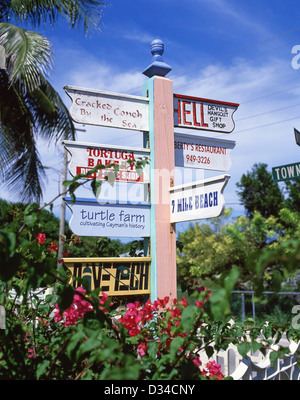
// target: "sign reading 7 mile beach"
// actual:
[[108, 109]]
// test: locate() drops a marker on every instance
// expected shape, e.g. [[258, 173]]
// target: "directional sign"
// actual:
[[203, 114], [201, 152], [90, 218], [198, 200], [86, 156], [286, 172], [114, 276], [108, 109]]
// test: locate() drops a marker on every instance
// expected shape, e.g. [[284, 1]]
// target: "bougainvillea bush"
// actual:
[[54, 332]]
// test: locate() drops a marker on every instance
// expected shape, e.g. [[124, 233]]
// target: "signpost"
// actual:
[[86, 156], [286, 172], [90, 218], [198, 200], [204, 114], [201, 152], [113, 110], [155, 114]]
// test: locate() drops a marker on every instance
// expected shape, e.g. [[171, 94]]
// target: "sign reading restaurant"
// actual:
[[200, 152], [204, 114]]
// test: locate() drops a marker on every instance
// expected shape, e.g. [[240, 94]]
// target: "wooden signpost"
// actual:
[[155, 115]]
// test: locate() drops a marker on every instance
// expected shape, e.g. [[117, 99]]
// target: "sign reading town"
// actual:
[[286, 172], [203, 114], [86, 156], [200, 152], [198, 200], [108, 109], [90, 218]]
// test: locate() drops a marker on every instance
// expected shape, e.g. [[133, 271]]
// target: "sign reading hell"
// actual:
[[86, 156], [203, 114], [113, 276]]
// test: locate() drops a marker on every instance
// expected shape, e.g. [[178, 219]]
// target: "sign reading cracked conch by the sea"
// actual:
[[86, 156], [204, 114], [100, 108], [90, 218], [198, 200], [200, 152]]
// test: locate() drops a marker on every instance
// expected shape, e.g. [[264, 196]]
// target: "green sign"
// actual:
[[286, 172]]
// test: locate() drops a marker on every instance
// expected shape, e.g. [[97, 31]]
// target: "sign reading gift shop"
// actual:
[[200, 152], [198, 200], [90, 218], [108, 109], [86, 156], [114, 276], [203, 114]]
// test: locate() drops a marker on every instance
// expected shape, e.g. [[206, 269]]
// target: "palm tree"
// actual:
[[29, 105]]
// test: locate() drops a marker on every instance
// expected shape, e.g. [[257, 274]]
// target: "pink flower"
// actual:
[[32, 353], [41, 238], [142, 348]]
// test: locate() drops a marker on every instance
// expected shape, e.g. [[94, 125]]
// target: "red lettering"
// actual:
[[196, 123], [184, 112], [202, 117], [90, 162]]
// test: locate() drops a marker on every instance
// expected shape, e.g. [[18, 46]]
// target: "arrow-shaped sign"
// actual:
[[198, 200], [86, 156], [203, 114], [201, 152], [108, 109]]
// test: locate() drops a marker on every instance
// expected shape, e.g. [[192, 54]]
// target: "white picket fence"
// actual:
[[257, 366]]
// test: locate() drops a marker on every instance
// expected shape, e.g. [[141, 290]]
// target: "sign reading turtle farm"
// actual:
[[86, 156], [200, 152], [108, 109], [90, 218], [198, 200], [203, 114]]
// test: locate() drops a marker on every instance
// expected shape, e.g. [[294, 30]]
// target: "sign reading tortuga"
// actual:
[[203, 114], [108, 109]]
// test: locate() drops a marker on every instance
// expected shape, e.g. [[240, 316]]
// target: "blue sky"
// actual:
[[229, 50]]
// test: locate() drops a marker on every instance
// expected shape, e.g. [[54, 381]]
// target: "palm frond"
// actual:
[[76, 12], [28, 55]]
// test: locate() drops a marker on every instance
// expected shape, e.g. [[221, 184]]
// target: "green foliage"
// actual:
[[259, 192]]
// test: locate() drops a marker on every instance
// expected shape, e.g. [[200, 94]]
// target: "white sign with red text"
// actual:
[[86, 156], [198, 200], [108, 109], [200, 152], [203, 114]]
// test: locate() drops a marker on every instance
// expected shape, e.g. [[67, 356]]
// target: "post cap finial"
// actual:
[[158, 66]]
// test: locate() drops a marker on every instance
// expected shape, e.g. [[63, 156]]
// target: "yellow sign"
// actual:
[[114, 276]]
